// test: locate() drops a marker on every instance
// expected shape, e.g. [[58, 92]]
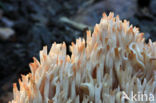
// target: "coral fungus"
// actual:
[[113, 59]]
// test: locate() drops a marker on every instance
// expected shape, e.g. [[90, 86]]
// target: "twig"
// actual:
[[75, 25]]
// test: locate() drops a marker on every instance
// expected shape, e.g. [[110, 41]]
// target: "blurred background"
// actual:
[[27, 25]]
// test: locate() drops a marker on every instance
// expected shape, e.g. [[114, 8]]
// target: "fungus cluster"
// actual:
[[113, 59]]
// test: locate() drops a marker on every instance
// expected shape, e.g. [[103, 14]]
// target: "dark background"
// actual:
[[27, 25]]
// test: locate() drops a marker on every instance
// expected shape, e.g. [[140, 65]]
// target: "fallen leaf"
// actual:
[[5, 33]]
